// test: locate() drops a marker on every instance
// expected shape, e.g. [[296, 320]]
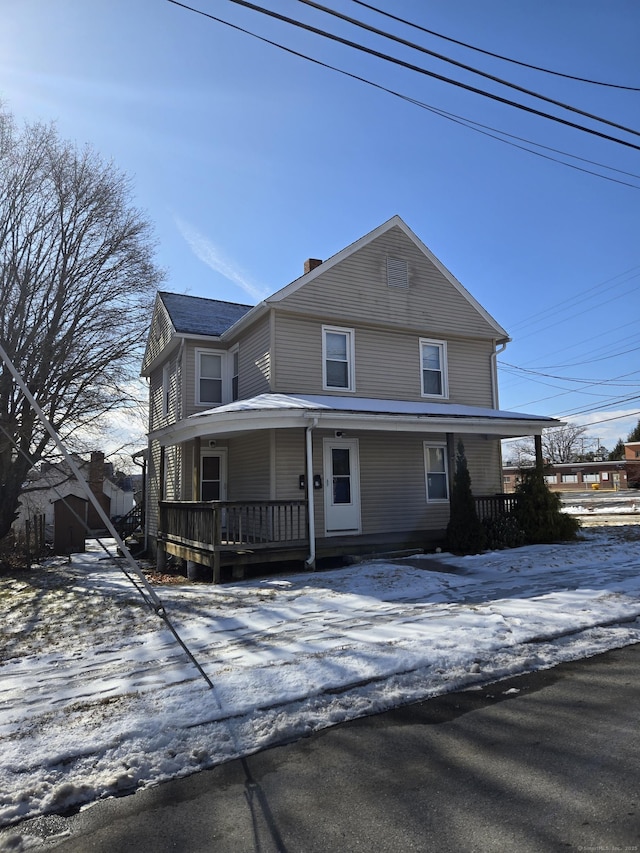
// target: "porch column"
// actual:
[[161, 556], [451, 460], [537, 441], [195, 471]]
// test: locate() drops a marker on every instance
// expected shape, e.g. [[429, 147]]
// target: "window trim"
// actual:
[[234, 370], [437, 445], [223, 384], [444, 374], [351, 370], [166, 390]]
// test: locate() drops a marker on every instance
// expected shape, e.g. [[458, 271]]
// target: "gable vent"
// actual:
[[397, 272]]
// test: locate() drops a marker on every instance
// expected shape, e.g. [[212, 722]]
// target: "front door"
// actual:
[[341, 486], [213, 475]]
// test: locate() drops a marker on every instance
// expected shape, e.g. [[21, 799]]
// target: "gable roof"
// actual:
[[395, 222], [196, 315]]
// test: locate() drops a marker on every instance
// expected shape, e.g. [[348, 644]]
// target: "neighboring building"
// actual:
[[52, 484], [632, 463], [339, 399], [574, 476]]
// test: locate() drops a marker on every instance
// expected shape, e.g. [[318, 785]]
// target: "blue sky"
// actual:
[[248, 159]]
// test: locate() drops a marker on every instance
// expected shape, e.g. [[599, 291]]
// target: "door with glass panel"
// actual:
[[341, 486]]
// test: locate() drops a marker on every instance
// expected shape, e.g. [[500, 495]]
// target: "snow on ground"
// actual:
[[97, 698]]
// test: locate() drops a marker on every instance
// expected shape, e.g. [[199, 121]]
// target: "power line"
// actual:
[[468, 123], [362, 25], [495, 55], [412, 67]]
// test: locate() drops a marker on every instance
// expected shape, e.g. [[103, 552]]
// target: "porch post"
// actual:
[[311, 511], [451, 460], [195, 472], [537, 441], [161, 555]]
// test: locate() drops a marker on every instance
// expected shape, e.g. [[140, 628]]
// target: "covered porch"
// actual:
[[284, 495]]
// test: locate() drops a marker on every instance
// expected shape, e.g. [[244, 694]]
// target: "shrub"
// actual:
[[465, 533], [503, 532], [538, 510]]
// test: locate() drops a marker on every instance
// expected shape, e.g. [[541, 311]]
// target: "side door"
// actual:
[[341, 465], [213, 475]]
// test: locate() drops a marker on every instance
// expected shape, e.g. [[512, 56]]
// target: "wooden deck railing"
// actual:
[[193, 529], [493, 506]]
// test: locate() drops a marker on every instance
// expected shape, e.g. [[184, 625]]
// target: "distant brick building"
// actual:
[[580, 476]]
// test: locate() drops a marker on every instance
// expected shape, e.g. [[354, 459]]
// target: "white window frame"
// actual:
[[569, 478], [350, 358], [430, 445], [442, 346], [224, 394], [590, 477]]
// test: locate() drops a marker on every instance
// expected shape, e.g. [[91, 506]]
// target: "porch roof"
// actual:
[[282, 411]]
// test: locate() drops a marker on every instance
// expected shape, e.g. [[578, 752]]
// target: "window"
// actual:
[[337, 358], [550, 479], [433, 361], [591, 478], [209, 378], [235, 369], [397, 273], [569, 478], [435, 461]]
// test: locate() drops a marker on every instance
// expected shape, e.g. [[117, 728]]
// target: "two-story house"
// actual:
[[325, 418]]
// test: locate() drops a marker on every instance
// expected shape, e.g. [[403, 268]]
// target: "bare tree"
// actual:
[[77, 278], [563, 444]]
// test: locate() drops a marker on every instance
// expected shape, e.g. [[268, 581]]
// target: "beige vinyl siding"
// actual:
[[483, 461], [254, 357], [249, 473], [159, 334], [387, 362], [155, 400], [393, 485], [153, 491], [357, 287], [291, 463]]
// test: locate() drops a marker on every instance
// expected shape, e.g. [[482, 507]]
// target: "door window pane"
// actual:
[[341, 475], [210, 489]]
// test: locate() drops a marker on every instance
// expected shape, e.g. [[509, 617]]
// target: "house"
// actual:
[[53, 491], [632, 463], [325, 419]]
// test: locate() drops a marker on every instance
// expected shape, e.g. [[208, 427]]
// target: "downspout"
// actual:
[[494, 373], [310, 562]]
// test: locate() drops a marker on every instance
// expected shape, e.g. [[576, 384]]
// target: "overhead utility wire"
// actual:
[[495, 55], [362, 25], [411, 67], [468, 123]]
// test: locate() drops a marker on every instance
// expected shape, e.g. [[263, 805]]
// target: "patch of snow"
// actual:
[[97, 698]]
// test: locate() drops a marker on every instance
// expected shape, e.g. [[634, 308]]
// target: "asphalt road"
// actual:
[[535, 764]]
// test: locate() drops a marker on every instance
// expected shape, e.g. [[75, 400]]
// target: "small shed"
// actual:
[[70, 524]]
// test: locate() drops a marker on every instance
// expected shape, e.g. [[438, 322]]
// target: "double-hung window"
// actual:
[[433, 364], [235, 370], [208, 378], [436, 472], [337, 358]]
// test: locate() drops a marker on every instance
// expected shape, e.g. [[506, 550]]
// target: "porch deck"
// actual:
[[220, 534]]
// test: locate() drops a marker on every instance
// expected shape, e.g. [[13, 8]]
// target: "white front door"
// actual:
[[341, 486], [213, 475]]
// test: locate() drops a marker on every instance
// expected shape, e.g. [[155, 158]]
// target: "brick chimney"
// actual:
[[311, 264]]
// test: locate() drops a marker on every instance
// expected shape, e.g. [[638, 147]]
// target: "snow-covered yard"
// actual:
[[97, 698]]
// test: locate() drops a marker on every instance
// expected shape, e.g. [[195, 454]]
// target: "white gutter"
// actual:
[[494, 373], [310, 562]]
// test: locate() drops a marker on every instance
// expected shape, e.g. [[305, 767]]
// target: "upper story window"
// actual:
[[209, 389], [433, 362], [338, 358], [436, 471]]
